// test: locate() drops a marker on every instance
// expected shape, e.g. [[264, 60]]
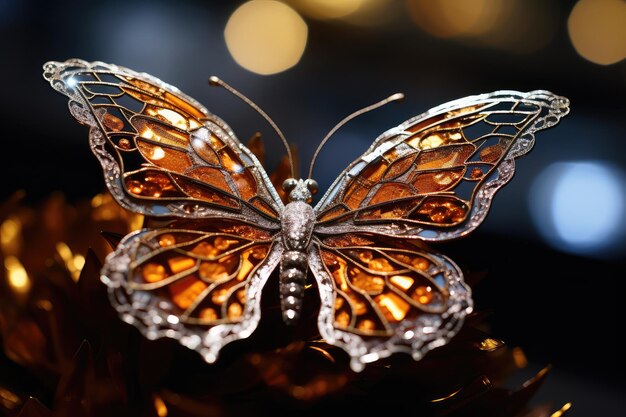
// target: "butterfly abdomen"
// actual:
[[297, 221]]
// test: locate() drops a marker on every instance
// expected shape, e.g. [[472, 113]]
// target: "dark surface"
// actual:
[[562, 309]]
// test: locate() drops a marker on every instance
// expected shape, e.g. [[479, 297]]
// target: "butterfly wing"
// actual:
[[381, 295], [430, 179], [198, 278], [200, 284], [162, 153], [434, 176]]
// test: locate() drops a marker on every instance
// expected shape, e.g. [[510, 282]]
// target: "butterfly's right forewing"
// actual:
[[162, 153]]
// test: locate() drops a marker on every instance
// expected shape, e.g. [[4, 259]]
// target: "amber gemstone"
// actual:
[[366, 256], [432, 141], [124, 143], [393, 307], [476, 174], [420, 263], [339, 303], [134, 186], [181, 263], [112, 123], [208, 314], [241, 296], [221, 244], [423, 294], [369, 283], [153, 272], [381, 264], [212, 271], [219, 296], [259, 252], [366, 325], [205, 249], [167, 240], [184, 292], [234, 311], [402, 281], [342, 319]]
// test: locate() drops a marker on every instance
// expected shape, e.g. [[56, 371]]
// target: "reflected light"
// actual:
[[579, 207], [328, 9], [597, 29], [266, 36]]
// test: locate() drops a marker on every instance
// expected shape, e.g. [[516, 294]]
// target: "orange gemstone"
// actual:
[[134, 186], [234, 311], [259, 252], [381, 264], [124, 143], [219, 296], [181, 263], [241, 296], [221, 243], [476, 174], [366, 325], [393, 307], [369, 283], [342, 319], [152, 190], [420, 263], [439, 214], [423, 294], [208, 314], [167, 240], [339, 303], [366, 256], [153, 272], [402, 281], [185, 292], [212, 271], [204, 249], [112, 123]]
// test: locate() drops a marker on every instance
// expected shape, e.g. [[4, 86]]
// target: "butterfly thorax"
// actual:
[[297, 220]]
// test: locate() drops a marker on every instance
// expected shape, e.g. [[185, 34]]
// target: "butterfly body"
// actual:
[[199, 278], [297, 220]]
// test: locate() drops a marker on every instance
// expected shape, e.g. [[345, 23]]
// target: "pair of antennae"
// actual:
[[216, 82]]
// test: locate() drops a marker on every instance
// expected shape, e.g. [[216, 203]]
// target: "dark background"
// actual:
[[561, 308]]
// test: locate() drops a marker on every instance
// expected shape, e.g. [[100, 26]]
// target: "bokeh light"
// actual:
[[513, 25], [455, 18], [579, 207], [266, 36], [597, 29], [328, 9]]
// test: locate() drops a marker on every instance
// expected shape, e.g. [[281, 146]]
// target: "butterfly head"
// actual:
[[300, 190]]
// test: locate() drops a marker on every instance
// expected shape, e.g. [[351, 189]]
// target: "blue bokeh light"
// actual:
[[579, 207]]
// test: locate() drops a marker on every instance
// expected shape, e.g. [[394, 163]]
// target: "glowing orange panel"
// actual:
[[446, 157], [185, 291], [430, 182], [163, 157], [399, 167], [212, 176], [391, 191]]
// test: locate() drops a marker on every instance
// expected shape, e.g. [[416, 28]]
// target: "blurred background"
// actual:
[[554, 245]]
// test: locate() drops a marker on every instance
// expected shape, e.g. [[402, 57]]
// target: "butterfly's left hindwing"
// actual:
[[201, 287], [381, 296]]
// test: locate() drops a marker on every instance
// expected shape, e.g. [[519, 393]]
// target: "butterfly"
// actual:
[[223, 228]]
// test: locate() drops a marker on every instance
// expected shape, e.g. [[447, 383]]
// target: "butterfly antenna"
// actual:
[[216, 82], [392, 98]]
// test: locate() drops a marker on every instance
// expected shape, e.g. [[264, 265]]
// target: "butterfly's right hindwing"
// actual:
[[162, 153]]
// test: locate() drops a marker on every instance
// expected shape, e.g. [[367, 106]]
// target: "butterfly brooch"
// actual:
[[223, 228]]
